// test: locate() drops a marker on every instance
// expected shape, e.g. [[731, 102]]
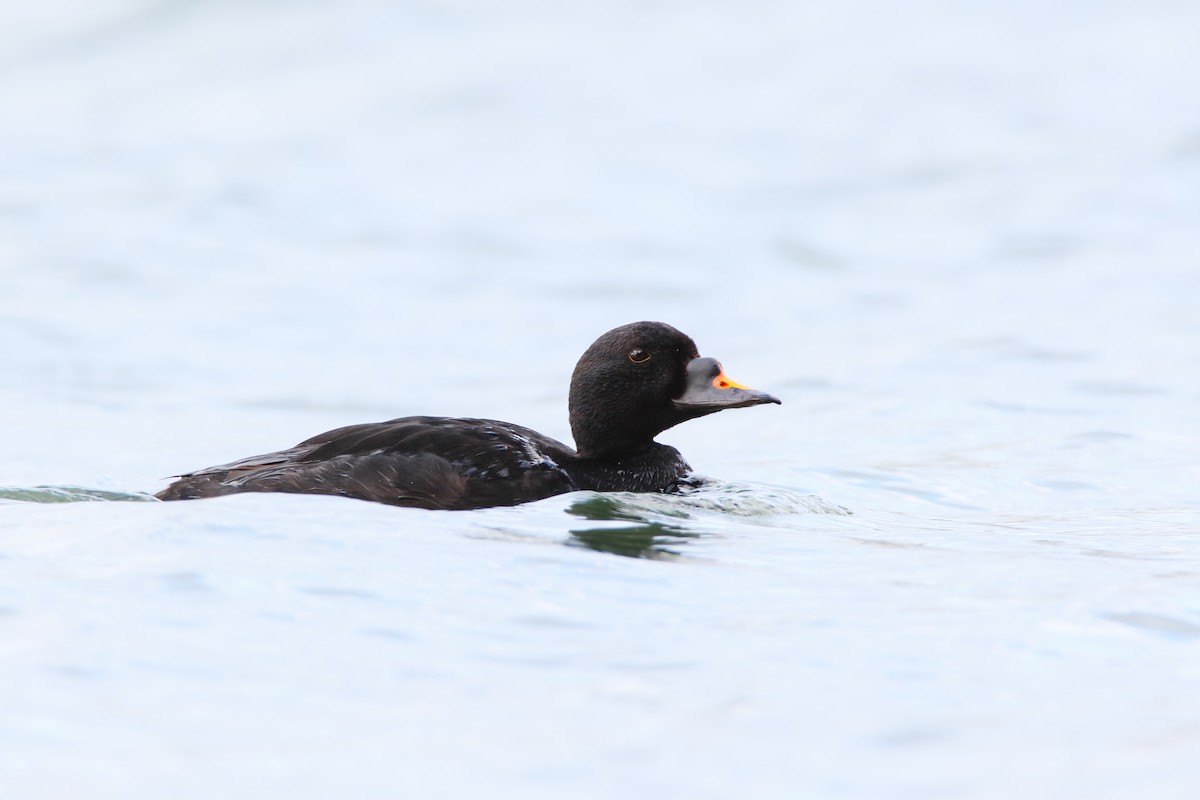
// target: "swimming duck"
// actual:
[[633, 383]]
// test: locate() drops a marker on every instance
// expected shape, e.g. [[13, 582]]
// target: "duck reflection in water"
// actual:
[[643, 538]]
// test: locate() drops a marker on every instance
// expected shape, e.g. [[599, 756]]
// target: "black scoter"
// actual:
[[633, 383]]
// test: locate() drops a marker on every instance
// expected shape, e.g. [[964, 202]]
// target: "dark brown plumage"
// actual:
[[633, 383]]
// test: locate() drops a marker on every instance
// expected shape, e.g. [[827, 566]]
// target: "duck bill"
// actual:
[[710, 389]]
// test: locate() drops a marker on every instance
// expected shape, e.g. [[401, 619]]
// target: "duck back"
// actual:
[[424, 462]]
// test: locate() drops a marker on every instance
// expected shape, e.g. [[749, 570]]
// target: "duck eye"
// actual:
[[639, 356]]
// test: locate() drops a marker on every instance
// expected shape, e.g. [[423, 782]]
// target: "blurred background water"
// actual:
[[959, 240]]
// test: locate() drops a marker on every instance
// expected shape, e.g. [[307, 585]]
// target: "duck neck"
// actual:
[[653, 467], [605, 433]]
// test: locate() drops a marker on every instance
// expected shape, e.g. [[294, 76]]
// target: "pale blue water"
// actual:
[[961, 243]]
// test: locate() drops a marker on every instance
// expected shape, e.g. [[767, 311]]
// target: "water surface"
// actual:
[[961, 559]]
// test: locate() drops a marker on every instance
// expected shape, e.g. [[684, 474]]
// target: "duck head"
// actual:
[[637, 380]]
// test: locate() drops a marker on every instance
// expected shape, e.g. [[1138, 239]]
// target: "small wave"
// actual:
[[751, 500], [68, 494], [737, 499]]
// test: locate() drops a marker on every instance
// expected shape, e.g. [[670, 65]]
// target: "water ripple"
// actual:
[[68, 494]]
